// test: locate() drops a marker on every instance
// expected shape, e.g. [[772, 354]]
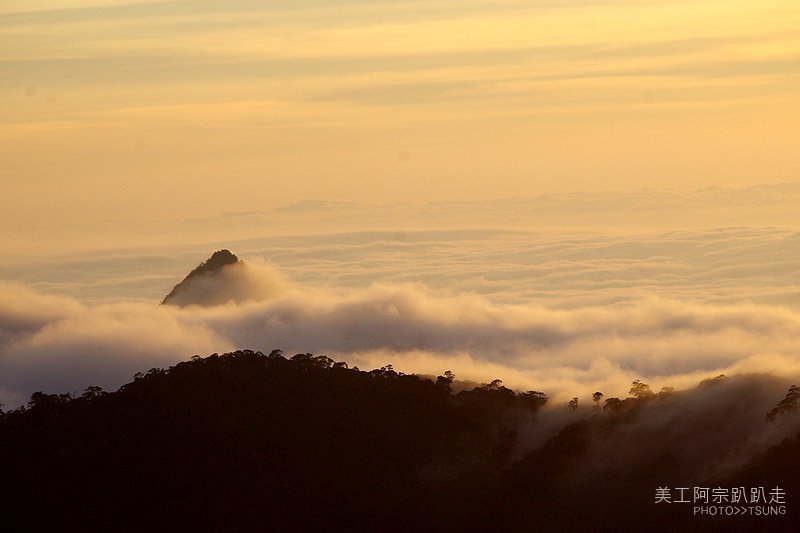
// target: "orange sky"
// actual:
[[159, 110]]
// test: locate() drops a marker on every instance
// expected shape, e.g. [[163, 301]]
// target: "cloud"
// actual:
[[23, 311], [156, 90], [556, 268], [695, 431], [57, 344]]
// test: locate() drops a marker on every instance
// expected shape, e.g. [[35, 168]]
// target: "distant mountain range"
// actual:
[[643, 209]]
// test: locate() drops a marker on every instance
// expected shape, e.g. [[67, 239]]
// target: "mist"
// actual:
[[60, 344]]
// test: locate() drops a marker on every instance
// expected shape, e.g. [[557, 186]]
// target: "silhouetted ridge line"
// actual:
[[213, 264], [251, 442]]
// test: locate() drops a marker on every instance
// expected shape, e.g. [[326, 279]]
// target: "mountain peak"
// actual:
[[209, 267], [218, 259]]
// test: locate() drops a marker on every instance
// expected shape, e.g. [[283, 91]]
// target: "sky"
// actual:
[[564, 195], [172, 110]]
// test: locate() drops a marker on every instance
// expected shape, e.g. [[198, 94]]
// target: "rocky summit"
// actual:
[[211, 266]]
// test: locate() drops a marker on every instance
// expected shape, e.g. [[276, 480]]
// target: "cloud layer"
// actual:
[[58, 344]]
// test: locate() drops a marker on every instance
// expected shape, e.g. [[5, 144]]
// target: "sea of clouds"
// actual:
[[58, 343], [564, 312]]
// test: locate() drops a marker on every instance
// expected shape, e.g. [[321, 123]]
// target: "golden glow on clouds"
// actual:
[[113, 109]]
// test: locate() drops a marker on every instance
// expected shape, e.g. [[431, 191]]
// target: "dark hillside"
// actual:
[[248, 441], [252, 442]]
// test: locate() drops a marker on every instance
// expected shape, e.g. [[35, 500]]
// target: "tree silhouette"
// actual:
[[596, 398], [713, 381], [573, 403], [93, 393], [789, 404], [612, 404], [445, 381], [640, 390]]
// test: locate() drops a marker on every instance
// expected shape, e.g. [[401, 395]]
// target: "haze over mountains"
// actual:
[[453, 453], [56, 343], [587, 211], [718, 245], [565, 311]]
